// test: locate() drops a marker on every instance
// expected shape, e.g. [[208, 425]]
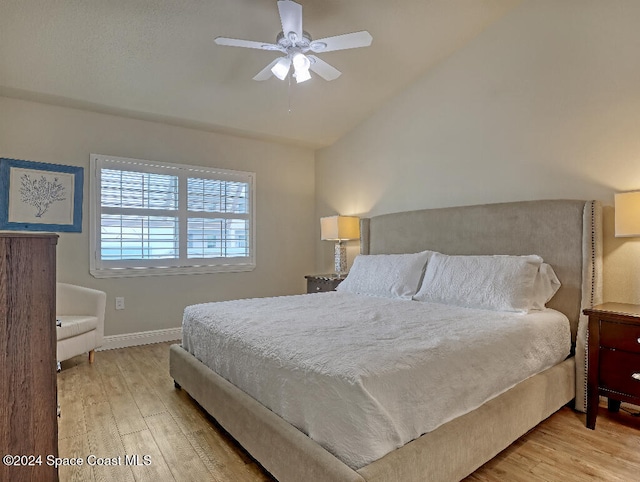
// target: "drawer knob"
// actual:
[[636, 376], [638, 340]]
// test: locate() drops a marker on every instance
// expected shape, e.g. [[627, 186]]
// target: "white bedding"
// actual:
[[363, 376]]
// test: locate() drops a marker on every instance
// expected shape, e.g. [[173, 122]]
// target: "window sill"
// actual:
[[153, 271]]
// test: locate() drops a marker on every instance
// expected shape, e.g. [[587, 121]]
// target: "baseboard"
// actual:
[[141, 338]]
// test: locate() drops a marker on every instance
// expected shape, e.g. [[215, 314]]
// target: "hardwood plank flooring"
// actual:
[[126, 404]]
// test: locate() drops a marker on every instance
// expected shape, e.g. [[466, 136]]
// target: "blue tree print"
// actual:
[[41, 193]]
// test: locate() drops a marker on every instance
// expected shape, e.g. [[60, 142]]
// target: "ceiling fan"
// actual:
[[295, 43]]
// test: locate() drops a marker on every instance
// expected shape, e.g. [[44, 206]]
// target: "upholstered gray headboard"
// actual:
[[566, 233]]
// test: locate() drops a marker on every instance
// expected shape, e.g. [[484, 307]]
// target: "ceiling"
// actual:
[[156, 59]]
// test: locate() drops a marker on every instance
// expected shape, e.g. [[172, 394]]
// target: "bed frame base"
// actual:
[[450, 452]]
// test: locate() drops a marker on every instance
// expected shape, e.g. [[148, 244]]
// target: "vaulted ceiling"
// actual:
[[156, 59]]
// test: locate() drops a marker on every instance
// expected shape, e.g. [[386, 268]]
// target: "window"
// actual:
[[150, 218]]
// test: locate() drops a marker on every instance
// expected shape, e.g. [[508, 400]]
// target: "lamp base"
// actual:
[[340, 260]]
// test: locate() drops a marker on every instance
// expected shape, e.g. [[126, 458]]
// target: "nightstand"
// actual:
[[317, 283], [614, 357]]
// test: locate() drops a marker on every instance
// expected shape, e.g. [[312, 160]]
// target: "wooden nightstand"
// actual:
[[317, 283], [614, 357]]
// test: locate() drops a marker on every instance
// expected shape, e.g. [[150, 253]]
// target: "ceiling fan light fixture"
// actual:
[[300, 61], [301, 64], [281, 69], [302, 75]]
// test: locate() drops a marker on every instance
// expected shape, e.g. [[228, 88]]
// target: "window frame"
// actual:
[[100, 268]]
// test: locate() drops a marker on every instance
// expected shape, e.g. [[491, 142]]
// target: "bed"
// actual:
[[566, 234]]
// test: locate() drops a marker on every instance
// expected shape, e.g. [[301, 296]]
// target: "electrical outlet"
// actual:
[[119, 303]]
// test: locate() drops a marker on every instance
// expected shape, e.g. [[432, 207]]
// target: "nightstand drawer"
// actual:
[[318, 286], [613, 356], [322, 283], [620, 371], [620, 336]]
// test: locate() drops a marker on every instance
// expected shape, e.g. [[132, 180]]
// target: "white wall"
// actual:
[[285, 209], [543, 104]]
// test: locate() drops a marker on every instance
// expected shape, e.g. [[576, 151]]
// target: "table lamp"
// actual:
[[340, 229]]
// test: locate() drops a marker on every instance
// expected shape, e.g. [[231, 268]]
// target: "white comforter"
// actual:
[[363, 376]]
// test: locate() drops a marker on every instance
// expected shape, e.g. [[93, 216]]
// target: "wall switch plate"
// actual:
[[119, 303]]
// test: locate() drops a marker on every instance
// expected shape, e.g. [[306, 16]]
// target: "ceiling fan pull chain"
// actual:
[[289, 92]]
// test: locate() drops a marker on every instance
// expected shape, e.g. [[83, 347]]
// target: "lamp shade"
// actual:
[[282, 67], [627, 206], [339, 228]]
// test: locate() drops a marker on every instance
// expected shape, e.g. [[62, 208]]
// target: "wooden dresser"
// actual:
[[28, 401]]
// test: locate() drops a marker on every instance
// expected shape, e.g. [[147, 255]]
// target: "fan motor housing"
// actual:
[[284, 41]]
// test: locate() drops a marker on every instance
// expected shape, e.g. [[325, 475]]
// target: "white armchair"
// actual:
[[80, 320]]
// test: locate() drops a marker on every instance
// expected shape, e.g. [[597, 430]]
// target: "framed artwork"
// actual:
[[38, 196]]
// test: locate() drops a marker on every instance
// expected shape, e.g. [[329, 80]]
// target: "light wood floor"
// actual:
[[125, 403]]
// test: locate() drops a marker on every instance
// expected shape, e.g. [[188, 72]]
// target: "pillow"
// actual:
[[386, 275], [545, 286], [499, 283]]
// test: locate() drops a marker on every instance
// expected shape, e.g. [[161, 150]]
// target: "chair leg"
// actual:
[[92, 356]]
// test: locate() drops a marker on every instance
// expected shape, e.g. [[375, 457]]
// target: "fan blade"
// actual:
[[291, 18], [323, 69], [342, 42], [265, 73], [250, 44]]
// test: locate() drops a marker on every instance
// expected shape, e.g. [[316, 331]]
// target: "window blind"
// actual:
[[153, 218]]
